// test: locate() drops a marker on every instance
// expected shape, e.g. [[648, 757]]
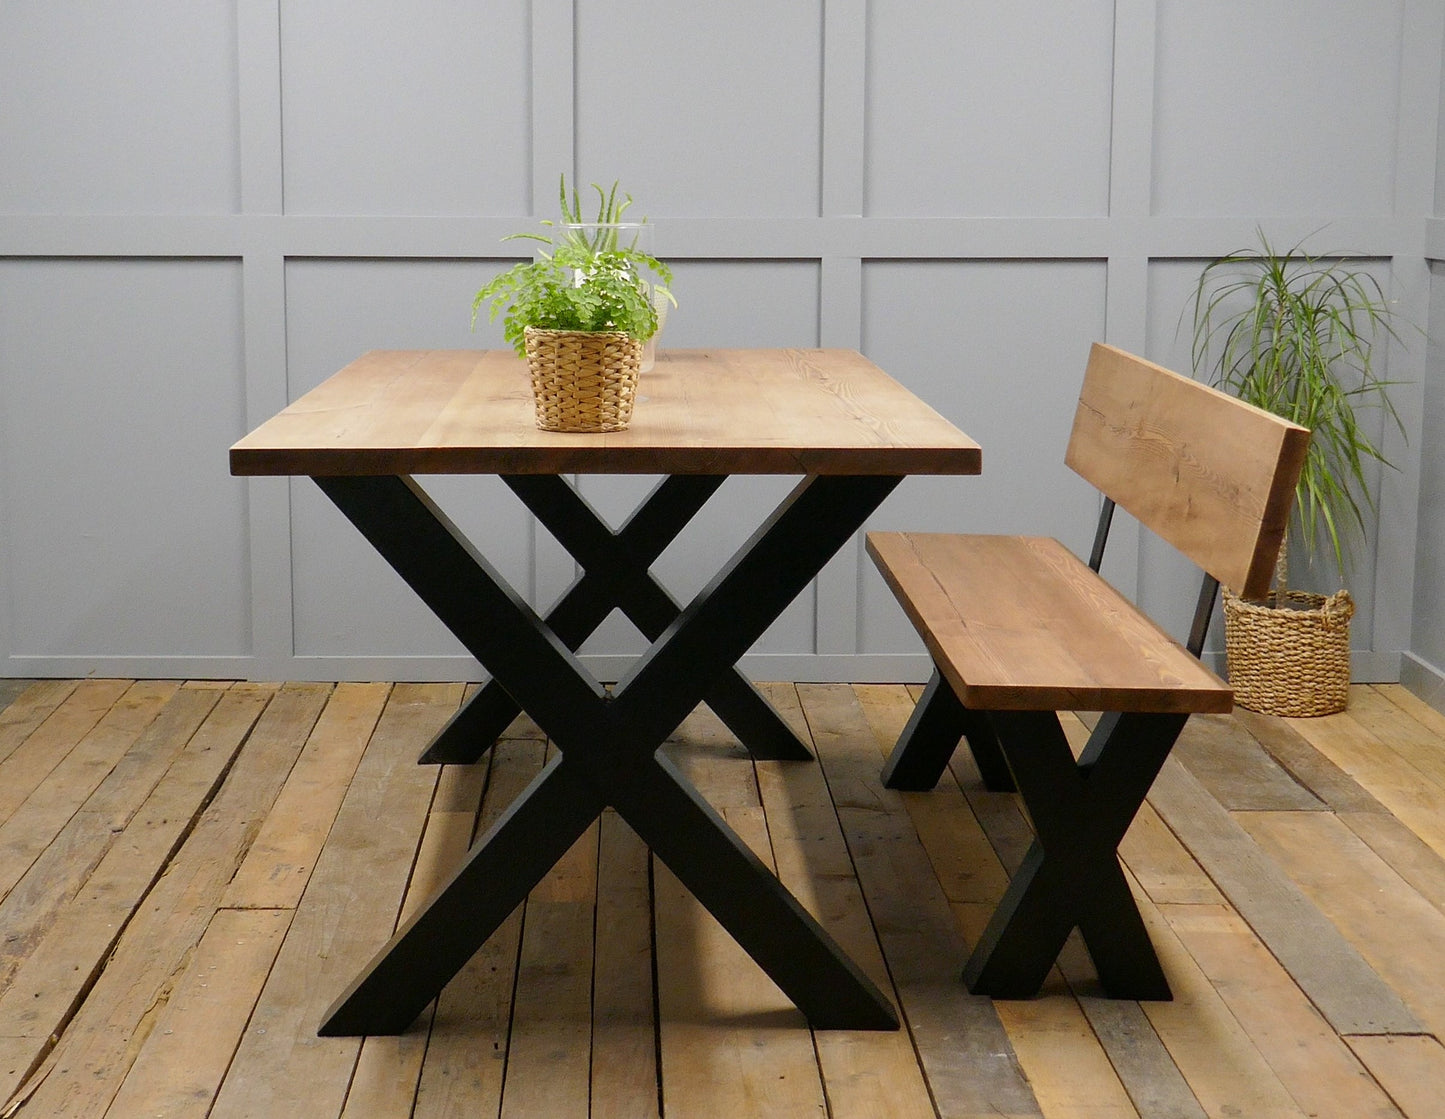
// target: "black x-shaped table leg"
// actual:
[[1071, 874], [608, 751], [615, 574]]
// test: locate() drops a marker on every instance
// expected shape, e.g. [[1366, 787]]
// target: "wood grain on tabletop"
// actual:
[[698, 411]]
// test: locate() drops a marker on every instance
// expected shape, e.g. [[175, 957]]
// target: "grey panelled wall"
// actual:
[[1423, 663], [208, 206]]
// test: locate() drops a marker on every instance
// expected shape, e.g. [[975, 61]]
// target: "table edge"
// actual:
[[351, 462]]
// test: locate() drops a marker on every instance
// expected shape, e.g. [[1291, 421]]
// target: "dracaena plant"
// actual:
[[584, 279], [1294, 332]]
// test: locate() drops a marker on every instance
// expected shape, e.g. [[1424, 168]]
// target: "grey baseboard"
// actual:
[[1423, 679]]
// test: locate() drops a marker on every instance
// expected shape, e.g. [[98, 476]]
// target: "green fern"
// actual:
[[579, 282]]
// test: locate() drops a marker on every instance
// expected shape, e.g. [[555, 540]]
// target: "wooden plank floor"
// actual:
[[190, 872]]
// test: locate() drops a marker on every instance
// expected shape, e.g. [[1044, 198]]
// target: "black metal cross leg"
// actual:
[[923, 750], [1071, 875], [608, 743], [615, 574]]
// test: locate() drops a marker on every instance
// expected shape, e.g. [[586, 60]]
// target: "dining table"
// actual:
[[847, 431]]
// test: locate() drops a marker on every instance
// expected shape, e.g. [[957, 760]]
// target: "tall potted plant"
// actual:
[[580, 314], [1293, 332]]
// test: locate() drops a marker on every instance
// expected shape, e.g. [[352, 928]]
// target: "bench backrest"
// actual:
[[1208, 473]]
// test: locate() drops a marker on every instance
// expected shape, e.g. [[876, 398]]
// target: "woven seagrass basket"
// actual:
[[1292, 660], [583, 380]]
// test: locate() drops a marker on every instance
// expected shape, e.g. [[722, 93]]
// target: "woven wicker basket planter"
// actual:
[[583, 380], [1287, 660]]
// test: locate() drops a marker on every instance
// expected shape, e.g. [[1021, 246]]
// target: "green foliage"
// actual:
[[583, 280], [1292, 333]]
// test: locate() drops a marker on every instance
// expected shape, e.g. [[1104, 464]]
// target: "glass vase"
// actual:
[[603, 236]]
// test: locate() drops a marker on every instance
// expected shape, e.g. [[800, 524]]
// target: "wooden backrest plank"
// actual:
[[1208, 473]]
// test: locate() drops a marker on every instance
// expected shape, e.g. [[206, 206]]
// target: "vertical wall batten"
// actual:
[[263, 277]]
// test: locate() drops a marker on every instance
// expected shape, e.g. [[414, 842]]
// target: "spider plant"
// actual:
[[1293, 332]]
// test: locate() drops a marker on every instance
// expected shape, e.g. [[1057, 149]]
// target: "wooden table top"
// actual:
[[697, 412]]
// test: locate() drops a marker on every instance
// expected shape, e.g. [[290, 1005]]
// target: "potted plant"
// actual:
[[1293, 332], [581, 312]]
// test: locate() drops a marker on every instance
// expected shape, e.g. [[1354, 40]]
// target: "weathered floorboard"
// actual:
[[158, 940], [347, 912], [196, 869]]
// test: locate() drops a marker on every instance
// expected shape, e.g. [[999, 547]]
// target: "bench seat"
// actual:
[[1020, 629], [1019, 623]]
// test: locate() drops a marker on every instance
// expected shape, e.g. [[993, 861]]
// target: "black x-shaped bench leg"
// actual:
[[615, 574], [1071, 875], [608, 747], [938, 721]]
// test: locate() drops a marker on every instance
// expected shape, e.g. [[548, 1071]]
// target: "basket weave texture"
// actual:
[[1292, 660], [583, 380]]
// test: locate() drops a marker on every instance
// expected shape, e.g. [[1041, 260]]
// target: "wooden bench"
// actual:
[[1020, 629]]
